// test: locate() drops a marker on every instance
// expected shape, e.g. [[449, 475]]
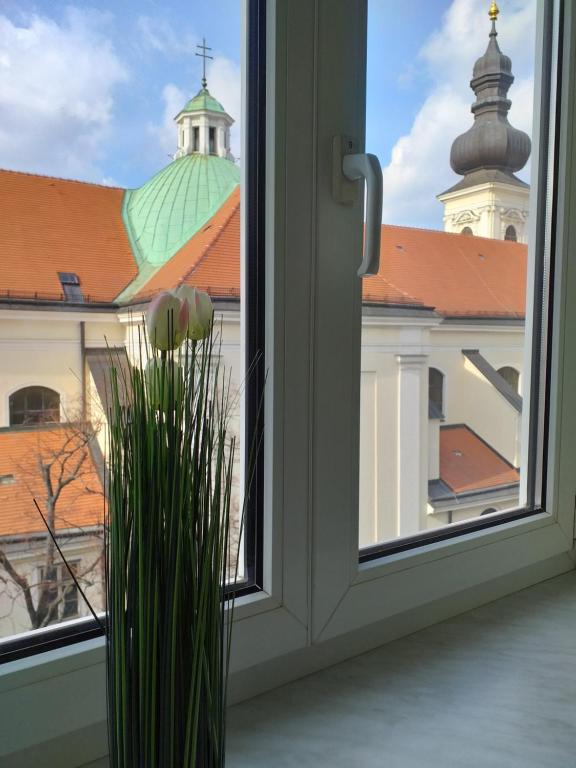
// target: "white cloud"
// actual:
[[165, 132], [224, 83], [159, 34], [419, 168], [56, 93]]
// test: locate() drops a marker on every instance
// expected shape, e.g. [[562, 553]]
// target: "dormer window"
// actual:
[[70, 283]]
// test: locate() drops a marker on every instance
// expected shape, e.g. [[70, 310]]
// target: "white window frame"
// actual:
[[348, 597], [319, 605]]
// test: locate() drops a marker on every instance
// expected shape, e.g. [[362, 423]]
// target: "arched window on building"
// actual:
[[511, 233], [34, 405], [489, 511], [435, 393], [511, 375], [467, 231]]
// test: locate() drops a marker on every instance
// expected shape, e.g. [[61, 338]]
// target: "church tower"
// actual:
[[490, 201]]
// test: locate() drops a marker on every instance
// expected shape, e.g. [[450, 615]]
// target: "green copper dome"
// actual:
[[204, 100], [169, 209]]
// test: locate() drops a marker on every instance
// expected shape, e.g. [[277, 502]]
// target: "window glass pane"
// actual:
[[449, 113], [511, 376], [122, 136], [32, 405]]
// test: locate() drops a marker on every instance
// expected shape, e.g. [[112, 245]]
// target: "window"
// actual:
[[414, 316], [70, 283], [511, 376], [435, 393], [511, 233], [61, 591], [435, 293], [489, 511], [34, 405], [118, 251]]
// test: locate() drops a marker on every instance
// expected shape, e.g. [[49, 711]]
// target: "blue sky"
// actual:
[[88, 90]]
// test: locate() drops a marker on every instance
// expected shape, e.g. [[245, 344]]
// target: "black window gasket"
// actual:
[[255, 364]]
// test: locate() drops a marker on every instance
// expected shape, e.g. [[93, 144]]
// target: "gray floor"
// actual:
[[493, 688]]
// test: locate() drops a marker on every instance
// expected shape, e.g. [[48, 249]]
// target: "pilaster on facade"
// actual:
[[412, 439]]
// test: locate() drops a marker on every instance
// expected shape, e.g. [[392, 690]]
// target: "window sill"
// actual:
[[411, 558]]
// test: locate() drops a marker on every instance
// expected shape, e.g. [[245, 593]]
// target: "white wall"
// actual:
[[28, 557], [468, 399], [488, 209], [42, 348]]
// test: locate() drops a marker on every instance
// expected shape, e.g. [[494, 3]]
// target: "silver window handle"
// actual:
[[355, 167]]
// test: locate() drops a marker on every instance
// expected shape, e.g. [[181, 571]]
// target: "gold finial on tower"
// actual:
[[494, 11]]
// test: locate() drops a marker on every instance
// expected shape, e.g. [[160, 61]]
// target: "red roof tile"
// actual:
[[454, 274], [458, 275], [52, 225], [467, 463], [81, 502]]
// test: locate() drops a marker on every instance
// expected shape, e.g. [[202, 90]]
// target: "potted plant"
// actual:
[[169, 553]]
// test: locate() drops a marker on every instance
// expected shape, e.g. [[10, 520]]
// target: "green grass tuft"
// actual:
[[168, 555]]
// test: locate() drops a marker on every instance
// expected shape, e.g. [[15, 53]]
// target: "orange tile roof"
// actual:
[[458, 275], [53, 225], [210, 260], [50, 225], [81, 502], [454, 274], [467, 463]]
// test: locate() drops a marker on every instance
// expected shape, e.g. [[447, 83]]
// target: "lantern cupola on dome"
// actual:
[[203, 124]]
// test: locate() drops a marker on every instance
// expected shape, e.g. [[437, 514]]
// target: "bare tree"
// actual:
[[60, 474]]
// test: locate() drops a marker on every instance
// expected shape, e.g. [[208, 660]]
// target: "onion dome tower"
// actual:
[[490, 200], [170, 208]]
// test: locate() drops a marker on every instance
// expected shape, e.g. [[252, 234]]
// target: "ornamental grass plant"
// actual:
[[169, 552]]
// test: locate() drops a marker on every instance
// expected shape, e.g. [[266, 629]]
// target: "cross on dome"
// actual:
[[203, 55]]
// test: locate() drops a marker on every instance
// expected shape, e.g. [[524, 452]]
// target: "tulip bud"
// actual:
[[165, 383], [167, 321], [201, 311]]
